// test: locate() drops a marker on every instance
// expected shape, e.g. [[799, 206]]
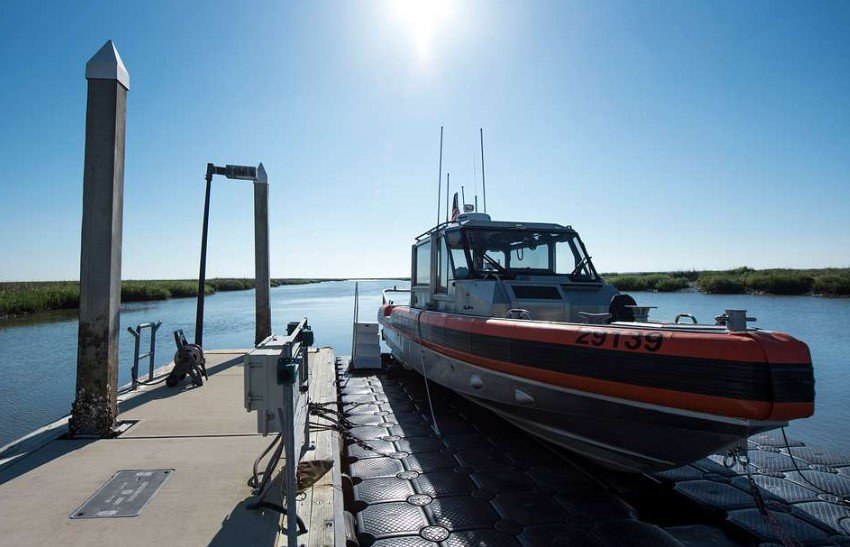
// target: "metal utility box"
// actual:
[[277, 380], [277, 387], [366, 353]]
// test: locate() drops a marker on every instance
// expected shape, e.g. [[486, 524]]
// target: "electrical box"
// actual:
[[277, 384]]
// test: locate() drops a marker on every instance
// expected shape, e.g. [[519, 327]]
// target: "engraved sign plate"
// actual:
[[123, 495]]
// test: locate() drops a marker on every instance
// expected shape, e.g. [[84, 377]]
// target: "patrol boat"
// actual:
[[515, 317]]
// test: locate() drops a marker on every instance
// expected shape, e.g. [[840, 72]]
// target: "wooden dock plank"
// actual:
[[316, 506]]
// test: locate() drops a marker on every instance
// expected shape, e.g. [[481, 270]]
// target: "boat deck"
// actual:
[[203, 434], [484, 482]]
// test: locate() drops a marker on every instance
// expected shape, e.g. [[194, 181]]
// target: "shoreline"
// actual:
[[25, 299], [20, 300], [822, 282]]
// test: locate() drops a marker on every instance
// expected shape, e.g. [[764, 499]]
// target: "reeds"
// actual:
[[823, 282], [17, 298], [660, 282]]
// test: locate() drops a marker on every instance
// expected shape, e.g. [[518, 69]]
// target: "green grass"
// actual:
[[721, 284], [231, 284], [661, 282], [823, 282], [833, 284], [18, 298]]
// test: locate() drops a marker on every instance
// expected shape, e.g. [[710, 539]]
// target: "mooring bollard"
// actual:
[[95, 408], [263, 328]]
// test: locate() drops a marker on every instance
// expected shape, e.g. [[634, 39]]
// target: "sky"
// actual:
[[672, 135]]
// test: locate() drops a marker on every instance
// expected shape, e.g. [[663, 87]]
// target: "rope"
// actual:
[[842, 501], [434, 425], [339, 423], [738, 455]]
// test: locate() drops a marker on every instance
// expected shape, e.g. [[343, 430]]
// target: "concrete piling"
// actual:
[[95, 407], [261, 256]]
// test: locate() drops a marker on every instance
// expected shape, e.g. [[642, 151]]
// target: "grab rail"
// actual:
[[689, 316], [384, 292], [150, 355]]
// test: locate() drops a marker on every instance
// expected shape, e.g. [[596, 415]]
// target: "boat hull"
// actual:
[[623, 434]]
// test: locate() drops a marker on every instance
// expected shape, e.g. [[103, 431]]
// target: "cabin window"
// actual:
[[423, 264], [525, 256], [461, 266], [570, 258], [445, 271], [509, 252]]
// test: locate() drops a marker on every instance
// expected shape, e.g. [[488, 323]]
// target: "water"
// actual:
[[38, 357]]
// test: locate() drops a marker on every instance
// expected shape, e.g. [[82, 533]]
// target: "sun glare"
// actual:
[[423, 19]]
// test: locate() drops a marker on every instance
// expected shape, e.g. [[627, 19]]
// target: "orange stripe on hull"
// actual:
[[750, 347], [721, 406]]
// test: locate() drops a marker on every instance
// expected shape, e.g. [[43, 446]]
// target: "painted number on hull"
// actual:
[[650, 342]]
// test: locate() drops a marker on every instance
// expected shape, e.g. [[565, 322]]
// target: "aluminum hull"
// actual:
[[617, 433]]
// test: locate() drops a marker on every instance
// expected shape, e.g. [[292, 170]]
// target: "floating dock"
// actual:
[[484, 482], [388, 480], [208, 439]]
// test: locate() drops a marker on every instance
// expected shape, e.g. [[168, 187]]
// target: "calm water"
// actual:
[[38, 359]]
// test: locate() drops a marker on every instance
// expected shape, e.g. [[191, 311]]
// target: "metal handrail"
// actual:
[[384, 292], [150, 355], [296, 345]]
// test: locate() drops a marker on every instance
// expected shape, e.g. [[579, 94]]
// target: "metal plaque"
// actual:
[[123, 495]]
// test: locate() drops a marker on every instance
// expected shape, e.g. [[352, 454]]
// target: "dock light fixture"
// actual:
[[235, 172]]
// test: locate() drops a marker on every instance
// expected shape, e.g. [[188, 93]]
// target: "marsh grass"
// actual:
[[823, 282], [661, 282], [17, 298]]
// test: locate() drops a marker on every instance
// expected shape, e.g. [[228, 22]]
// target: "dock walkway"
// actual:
[[204, 434]]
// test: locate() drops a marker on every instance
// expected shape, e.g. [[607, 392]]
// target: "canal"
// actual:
[[38, 354]]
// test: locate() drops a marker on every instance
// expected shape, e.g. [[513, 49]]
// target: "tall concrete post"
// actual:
[[261, 255], [95, 408]]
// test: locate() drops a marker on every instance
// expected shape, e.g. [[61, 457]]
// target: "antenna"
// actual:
[[462, 197], [483, 184], [475, 178], [440, 176], [447, 196]]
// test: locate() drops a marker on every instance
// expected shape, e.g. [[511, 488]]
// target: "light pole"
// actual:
[[237, 172]]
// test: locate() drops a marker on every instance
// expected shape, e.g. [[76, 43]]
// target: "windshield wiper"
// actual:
[[496, 265], [580, 265]]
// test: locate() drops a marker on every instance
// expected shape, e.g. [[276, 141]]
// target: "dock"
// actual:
[[208, 439], [387, 479], [484, 482]]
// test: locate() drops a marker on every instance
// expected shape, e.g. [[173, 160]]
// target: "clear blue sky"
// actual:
[[670, 134]]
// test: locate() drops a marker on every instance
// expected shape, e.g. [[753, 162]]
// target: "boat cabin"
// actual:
[[476, 266]]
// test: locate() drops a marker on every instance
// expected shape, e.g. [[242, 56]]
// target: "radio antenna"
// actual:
[[440, 176], [483, 183], [462, 197], [447, 196], [475, 179]]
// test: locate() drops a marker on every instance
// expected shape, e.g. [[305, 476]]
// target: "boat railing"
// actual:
[[385, 300], [151, 353]]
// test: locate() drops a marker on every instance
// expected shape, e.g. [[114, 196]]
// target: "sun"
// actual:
[[423, 19]]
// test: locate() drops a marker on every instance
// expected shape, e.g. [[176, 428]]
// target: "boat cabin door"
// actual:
[[433, 274]]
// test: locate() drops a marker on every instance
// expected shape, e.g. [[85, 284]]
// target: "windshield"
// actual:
[[514, 252]]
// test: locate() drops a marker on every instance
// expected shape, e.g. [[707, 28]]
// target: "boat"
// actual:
[[515, 317]]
